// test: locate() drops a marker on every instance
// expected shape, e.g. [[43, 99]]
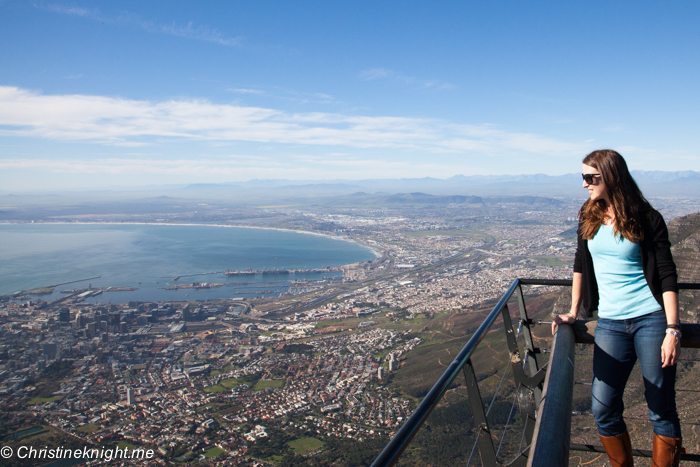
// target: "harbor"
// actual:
[[274, 271]]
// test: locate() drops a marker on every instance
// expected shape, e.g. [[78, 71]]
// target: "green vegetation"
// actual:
[[418, 318], [227, 384], [17, 435], [206, 408], [345, 452], [214, 452], [250, 380], [303, 446], [297, 348], [224, 386], [270, 383], [41, 400], [446, 335], [550, 261], [57, 370], [229, 410], [185, 457], [19, 428], [231, 383], [88, 428], [216, 389], [441, 440], [381, 354], [48, 381]]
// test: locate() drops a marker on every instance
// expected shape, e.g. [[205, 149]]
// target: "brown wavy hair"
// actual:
[[628, 203]]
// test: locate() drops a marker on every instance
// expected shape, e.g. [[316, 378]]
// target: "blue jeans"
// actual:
[[618, 345]]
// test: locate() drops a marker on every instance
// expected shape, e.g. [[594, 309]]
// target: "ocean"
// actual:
[[148, 257]]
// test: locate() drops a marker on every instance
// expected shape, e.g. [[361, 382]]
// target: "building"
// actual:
[[50, 350], [64, 315]]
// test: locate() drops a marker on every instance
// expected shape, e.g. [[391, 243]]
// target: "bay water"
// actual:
[[149, 256]]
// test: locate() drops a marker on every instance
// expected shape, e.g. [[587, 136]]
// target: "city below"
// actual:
[[321, 368]]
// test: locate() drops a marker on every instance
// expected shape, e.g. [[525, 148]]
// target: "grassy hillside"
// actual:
[[447, 436]]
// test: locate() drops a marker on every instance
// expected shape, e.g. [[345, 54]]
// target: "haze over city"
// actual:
[[96, 94]]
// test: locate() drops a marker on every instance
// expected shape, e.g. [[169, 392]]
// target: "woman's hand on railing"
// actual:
[[670, 350], [568, 318]]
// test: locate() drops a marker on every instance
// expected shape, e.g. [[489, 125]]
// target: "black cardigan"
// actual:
[[657, 263]]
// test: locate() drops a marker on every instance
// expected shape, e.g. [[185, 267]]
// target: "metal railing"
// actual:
[[544, 400]]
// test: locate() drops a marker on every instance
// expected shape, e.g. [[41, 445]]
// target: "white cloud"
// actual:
[[247, 91], [190, 31], [376, 73], [372, 74], [70, 10], [234, 168], [124, 122]]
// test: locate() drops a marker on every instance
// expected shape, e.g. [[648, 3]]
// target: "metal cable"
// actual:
[[476, 441], [515, 399], [520, 328], [499, 386], [520, 446]]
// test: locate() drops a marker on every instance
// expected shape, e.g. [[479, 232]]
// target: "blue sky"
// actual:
[[125, 93]]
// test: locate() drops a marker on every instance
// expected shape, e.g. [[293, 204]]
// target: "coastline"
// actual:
[[376, 253], [369, 252]]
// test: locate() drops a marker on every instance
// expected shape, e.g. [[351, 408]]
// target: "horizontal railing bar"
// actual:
[[534, 281], [408, 430], [635, 452]]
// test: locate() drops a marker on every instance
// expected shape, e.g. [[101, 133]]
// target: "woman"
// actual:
[[624, 269]]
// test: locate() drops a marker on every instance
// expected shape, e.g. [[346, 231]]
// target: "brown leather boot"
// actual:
[[619, 449], [667, 451]]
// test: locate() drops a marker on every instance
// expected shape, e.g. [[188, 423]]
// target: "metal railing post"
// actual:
[[527, 332], [550, 443], [486, 447]]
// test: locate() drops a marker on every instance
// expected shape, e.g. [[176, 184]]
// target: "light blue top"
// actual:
[[622, 288]]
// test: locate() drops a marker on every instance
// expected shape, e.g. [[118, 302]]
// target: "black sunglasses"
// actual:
[[588, 178]]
